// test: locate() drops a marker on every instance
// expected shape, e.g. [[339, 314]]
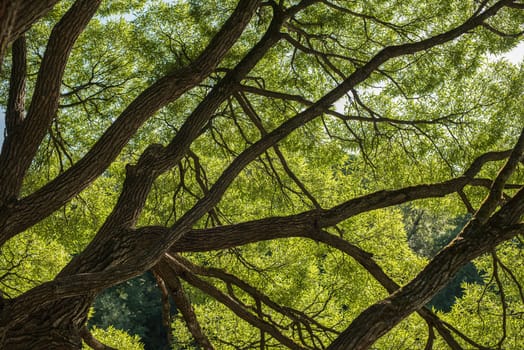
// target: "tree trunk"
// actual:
[[53, 326]]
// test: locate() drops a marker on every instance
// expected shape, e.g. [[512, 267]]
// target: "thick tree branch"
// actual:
[[278, 227], [183, 304], [477, 238], [157, 159], [43, 202], [29, 12], [14, 114], [8, 12], [18, 152]]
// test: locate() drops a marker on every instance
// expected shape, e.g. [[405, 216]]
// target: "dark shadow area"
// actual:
[[135, 307]]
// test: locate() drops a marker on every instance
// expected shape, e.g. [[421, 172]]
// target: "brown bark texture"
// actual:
[[53, 314]]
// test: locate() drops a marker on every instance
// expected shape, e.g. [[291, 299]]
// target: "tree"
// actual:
[[253, 155]]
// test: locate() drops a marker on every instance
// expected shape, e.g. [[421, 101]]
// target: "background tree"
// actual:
[[255, 156]]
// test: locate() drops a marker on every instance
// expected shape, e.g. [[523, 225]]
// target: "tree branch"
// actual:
[[29, 12], [233, 305], [14, 114], [475, 239], [45, 201], [166, 306], [495, 194], [18, 152], [8, 13], [183, 304], [224, 237], [299, 318], [255, 119]]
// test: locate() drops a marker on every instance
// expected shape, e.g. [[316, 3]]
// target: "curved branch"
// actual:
[[90, 340], [18, 152], [14, 114], [501, 33], [297, 316], [495, 194], [183, 304], [171, 263], [49, 198], [477, 238], [29, 12]]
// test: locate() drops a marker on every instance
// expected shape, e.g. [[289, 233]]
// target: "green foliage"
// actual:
[[133, 307], [27, 261], [307, 276], [116, 338], [479, 313], [427, 233], [419, 119]]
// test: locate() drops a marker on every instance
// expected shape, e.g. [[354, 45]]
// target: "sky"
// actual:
[[515, 56]]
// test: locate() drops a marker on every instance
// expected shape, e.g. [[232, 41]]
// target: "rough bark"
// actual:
[[383, 316], [8, 13], [14, 114], [18, 215], [480, 236], [20, 148], [51, 316], [27, 13], [183, 304], [62, 328]]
